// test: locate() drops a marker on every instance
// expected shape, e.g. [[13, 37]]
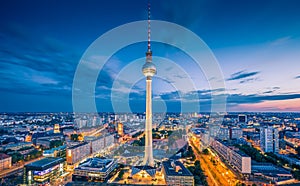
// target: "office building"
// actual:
[[223, 133], [237, 159], [213, 130], [77, 153], [269, 139], [235, 133], [176, 174], [95, 169], [43, 171]]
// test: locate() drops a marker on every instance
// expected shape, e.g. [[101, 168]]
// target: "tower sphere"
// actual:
[[149, 69]]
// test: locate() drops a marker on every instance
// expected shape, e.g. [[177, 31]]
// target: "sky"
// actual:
[[256, 44]]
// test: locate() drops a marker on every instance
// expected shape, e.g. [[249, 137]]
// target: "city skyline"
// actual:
[[256, 44]]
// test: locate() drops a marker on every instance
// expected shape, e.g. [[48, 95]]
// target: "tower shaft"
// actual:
[[148, 158]]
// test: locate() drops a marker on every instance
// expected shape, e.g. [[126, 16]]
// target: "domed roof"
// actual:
[[149, 69]]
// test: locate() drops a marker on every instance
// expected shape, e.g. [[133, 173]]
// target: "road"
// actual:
[[211, 180], [221, 174], [13, 169]]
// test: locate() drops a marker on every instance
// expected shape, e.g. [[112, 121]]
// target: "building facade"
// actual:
[[238, 160], [43, 171], [176, 174], [5, 161], [269, 139], [77, 153], [95, 169]]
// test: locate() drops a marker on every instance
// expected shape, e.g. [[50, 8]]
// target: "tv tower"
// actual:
[[149, 70]]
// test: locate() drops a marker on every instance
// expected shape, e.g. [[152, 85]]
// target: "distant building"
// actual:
[[77, 153], [235, 133], [239, 160], [56, 128], [43, 171], [17, 146], [95, 169], [223, 133], [5, 161], [55, 152], [176, 174], [120, 129], [273, 173], [214, 130], [242, 118], [269, 139]]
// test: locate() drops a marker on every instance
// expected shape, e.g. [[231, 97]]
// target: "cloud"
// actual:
[[281, 41], [255, 98], [241, 75], [297, 77], [268, 92], [34, 64]]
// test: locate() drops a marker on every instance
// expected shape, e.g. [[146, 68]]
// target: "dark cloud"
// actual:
[[268, 92], [254, 98], [297, 77], [34, 64], [241, 75]]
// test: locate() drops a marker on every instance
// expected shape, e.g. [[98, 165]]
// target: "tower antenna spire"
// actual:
[[149, 28]]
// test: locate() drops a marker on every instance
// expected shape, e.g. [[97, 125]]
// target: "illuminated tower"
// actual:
[[149, 70], [56, 128]]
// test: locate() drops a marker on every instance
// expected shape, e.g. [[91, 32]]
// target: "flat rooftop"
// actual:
[[78, 145], [44, 163], [96, 164], [170, 168], [3, 156]]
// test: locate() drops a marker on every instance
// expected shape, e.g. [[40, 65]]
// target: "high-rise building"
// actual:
[[235, 133], [242, 118], [120, 129], [149, 70], [269, 139], [56, 128]]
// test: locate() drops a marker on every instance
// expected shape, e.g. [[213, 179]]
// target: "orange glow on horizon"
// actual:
[[278, 105]]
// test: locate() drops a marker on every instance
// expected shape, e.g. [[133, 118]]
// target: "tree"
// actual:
[[298, 150], [56, 143], [74, 137], [16, 157], [205, 151], [296, 174]]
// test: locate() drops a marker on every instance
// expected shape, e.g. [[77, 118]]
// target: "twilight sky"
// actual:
[[256, 43]]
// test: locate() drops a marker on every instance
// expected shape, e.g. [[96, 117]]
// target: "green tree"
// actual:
[[56, 143], [298, 150], [205, 151], [296, 174], [74, 137]]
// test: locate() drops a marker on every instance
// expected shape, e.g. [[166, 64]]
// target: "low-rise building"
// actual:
[[95, 169], [176, 174], [43, 171], [17, 146], [5, 161]]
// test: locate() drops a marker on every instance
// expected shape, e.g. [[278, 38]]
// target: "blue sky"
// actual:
[[256, 43]]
